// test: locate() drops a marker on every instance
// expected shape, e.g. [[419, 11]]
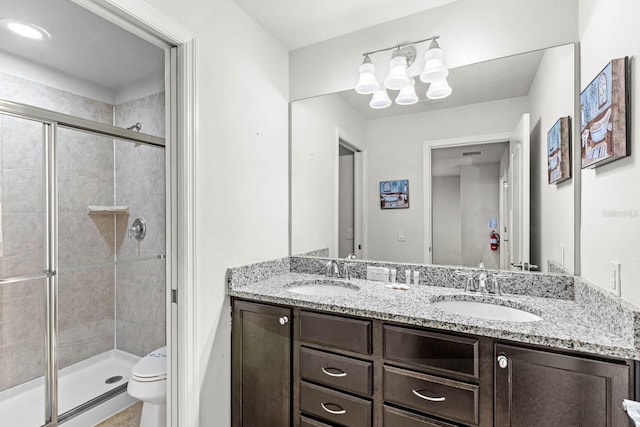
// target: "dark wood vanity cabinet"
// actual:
[[540, 388], [301, 368], [334, 364], [261, 365]]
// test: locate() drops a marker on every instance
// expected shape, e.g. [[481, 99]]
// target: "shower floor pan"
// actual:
[[23, 405]]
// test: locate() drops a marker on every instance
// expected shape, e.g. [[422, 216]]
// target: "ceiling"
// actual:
[[501, 78], [448, 161], [82, 45], [299, 23]]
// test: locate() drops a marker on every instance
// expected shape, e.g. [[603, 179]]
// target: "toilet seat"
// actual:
[[152, 367]]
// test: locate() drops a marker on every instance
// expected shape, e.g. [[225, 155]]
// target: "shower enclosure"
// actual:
[[82, 295]]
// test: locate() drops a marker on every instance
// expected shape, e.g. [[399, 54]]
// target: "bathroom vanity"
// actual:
[[383, 357]]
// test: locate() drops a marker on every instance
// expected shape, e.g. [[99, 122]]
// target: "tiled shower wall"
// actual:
[[140, 184], [94, 314]]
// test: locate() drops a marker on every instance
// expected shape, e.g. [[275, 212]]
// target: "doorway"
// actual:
[[345, 201], [179, 50], [465, 203], [349, 201]]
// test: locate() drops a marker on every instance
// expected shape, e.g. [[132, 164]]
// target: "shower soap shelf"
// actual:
[[108, 210]]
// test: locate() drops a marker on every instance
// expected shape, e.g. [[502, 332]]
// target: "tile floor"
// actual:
[[130, 417]]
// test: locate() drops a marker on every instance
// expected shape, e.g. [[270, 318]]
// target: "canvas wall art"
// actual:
[[394, 194], [604, 131], [559, 151]]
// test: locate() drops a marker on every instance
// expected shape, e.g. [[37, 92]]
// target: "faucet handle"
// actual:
[[497, 288], [346, 268], [468, 284]]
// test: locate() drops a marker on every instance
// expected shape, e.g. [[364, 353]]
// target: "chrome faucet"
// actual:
[[482, 283], [333, 269]]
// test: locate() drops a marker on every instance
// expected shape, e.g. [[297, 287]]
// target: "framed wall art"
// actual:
[[559, 151], [394, 194], [604, 121]]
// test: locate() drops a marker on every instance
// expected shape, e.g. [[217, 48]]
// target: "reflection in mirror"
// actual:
[[489, 101], [466, 184]]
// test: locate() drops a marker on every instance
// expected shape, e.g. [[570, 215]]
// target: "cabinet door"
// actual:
[[537, 388], [261, 365]]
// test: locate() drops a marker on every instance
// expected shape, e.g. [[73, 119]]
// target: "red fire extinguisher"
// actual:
[[494, 238]]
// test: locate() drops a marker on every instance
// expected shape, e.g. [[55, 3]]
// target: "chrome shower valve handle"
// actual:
[[138, 229]]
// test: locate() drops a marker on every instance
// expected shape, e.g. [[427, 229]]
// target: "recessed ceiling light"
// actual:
[[25, 29]]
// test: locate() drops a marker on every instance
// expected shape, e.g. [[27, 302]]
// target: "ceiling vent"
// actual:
[[471, 154]]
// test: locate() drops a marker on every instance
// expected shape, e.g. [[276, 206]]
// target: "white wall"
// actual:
[[447, 243], [552, 205], [345, 203], [315, 124], [470, 31], [395, 151], [242, 178], [610, 229], [479, 197]]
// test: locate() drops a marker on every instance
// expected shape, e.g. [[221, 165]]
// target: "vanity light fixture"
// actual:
[[407, 95], [367, 83], [25, 29], [434, 68], [397, 78], [434, 73], [439, 89], [380, 99]]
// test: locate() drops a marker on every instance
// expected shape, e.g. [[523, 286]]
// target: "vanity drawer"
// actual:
[[308, 422], [394, 417], [433, 395], [336, 371], [431, 350], [335, 407], [335, 331]]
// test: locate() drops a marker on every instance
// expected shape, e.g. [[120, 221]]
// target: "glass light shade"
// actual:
[[380, 99], [434, 68], [397, 77], [439, 89], [367, 83], [407, 95]]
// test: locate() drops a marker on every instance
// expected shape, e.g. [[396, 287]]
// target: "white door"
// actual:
[[519, 186]]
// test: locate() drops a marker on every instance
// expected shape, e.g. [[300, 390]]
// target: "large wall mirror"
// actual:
[[431, 182]]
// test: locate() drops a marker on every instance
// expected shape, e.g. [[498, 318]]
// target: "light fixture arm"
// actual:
[[400, 46]]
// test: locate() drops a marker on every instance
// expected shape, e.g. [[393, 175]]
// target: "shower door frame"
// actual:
[[50, 121], [183, 362]]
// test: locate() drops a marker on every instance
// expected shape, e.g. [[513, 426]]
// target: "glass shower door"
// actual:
[[23, 278], [111, 288]]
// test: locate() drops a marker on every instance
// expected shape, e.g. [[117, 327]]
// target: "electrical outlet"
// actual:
[[401, 236], [616, 280], [562, 255]]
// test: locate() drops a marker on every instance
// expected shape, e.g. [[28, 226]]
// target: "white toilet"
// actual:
[[148, 383]]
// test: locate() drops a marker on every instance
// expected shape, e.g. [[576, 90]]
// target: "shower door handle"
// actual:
[[45, 275]]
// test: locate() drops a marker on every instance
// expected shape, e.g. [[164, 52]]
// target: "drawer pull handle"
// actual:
[[331, 374], [430, 399], [331, 411]]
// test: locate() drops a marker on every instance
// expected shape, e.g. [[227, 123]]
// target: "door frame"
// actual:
[[359, 219], [427, 146], [147, 22]]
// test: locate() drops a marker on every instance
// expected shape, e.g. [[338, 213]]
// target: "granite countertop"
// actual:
[[565, 324]]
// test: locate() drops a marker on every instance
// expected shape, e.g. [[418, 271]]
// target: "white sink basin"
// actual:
[[485, 310], [322, 288]]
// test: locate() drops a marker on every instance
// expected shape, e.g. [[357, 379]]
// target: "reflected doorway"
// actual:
[[466, 209], [347, 200]]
